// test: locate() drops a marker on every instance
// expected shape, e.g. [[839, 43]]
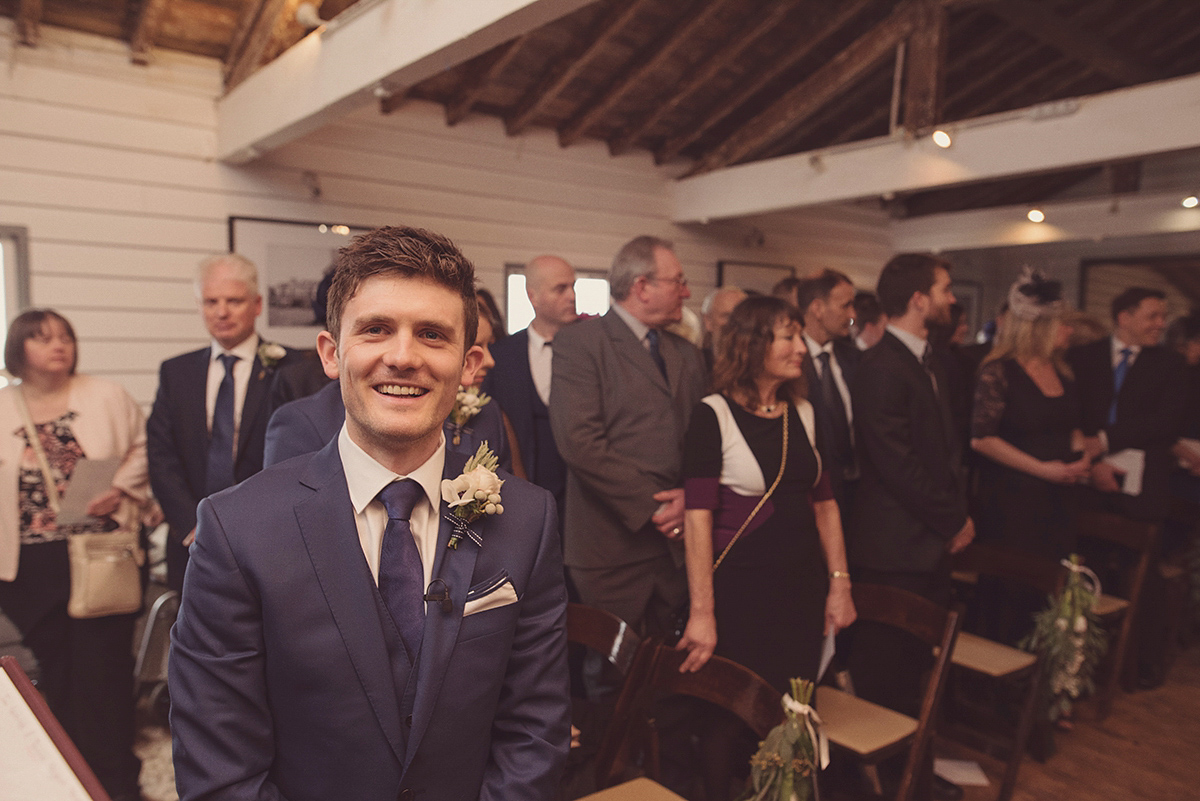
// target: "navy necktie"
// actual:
[[831, 399], [401, 576], [652, 337], [1119, 373], [220, 444]]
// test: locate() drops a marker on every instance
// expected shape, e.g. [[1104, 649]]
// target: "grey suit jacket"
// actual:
[[619, 426]]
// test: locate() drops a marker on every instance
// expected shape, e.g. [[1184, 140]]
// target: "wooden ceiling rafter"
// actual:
[[479, 78], [1050, 27], [28, 22], [925, 67], [755, 28], [145, 31], [264, 39], [825, 27], [577, 56], [1004, 192], [795, 105], [250, 14], [652, 58]]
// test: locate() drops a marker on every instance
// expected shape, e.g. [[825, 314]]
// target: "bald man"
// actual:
[[715, 310], [520, 381]]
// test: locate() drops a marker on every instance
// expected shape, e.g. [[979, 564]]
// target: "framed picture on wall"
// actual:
[[292, 257], [752, 275], [969, 295]]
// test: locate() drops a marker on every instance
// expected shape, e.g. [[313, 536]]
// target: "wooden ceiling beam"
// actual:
[[825, 27], [1047, 25], [1005, 192], [802, 100], [1124, 177], [145, 32], [241, 33], [767, 21], [29, 18], [648, 60], [925, 67], [571, 63], [479, 78], [262, 39]]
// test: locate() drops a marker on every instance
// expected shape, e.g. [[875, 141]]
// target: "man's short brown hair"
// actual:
[[407, 252]]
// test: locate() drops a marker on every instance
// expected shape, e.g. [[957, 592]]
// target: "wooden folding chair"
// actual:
[[872, 732], [1003, 663], [1118, 612], [656, 670]]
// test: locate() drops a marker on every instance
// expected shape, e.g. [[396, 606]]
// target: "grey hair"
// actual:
[[711, 298], [634, 260], [243, 270]]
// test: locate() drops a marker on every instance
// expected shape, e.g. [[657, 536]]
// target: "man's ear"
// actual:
[[471, 361], [327, 350]]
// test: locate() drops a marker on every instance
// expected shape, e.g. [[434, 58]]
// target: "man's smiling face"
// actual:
[[400, 359]]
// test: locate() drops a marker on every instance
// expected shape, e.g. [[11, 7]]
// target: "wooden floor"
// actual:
[[1148, 748]]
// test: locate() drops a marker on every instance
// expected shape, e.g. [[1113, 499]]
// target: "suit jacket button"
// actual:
[[408, 721], [406, 795]]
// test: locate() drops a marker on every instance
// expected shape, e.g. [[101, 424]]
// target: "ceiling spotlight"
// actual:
[[942, 138], [1191, 202], [1035, 215]]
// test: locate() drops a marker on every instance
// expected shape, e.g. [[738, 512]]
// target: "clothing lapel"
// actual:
[[455, 568], [196, 399], [256, 397], [630, 348], [326, 521]]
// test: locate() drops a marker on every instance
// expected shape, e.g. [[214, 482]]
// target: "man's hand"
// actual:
[[963, 538], [1104, 477], [669, 518]]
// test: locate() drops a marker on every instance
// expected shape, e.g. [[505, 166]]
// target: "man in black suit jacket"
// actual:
[[520, 381], [827, 303], [910, 512], [178, 430]]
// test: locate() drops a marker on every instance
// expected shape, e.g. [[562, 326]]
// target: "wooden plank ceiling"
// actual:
[[723, 82]]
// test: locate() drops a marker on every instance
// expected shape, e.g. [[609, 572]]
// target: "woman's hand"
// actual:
[[699, 639], [1060, 472], [839, 607], [105, 504]]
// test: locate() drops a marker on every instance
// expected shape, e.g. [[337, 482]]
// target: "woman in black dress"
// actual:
[[1026, 422], [783, 583]]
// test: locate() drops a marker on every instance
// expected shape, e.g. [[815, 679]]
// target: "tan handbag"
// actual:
[[106, 576]]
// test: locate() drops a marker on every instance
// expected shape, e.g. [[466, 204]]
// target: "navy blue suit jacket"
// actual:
[[306, 425], [281, 682]]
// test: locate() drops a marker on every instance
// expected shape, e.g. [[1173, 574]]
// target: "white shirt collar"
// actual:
[[911, 341], [1118, 346], [814, 348], [638, 328], [536, 340], [365, 477], [245, 350]]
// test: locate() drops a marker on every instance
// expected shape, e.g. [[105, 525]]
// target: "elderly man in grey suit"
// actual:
[[623, 390]]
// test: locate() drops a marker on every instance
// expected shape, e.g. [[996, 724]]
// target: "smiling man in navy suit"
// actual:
[[331, 643]]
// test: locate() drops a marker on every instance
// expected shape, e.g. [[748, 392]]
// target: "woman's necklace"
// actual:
[[768, 409]]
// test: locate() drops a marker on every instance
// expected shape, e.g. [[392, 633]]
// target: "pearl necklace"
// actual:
[[769, 409]]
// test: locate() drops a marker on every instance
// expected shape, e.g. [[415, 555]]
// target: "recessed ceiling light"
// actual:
[[942, 138], [1191, 202], [1035, 215]]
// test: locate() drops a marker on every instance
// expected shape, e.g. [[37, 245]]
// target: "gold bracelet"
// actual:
[[838, 574]]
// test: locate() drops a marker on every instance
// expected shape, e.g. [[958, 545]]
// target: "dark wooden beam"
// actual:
[[479, 78], [241, 32], [925, 67], [798, 103], [1005, 192], [825, 26], [29, 17], [1124, 177], [767, 20], [1045, 24], [261, 41], [146, 31], [644, 65], [571, 63]]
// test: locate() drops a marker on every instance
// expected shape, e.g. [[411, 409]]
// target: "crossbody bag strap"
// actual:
[[763, 499], [35, 442]]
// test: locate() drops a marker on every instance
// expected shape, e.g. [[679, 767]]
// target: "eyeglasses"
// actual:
[[679, 280]]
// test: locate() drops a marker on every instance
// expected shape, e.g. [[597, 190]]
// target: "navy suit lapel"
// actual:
[[255, 402], [455, 568], [326, 521]]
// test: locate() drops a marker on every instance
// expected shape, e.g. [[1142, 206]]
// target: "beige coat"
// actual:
[[109, 424]]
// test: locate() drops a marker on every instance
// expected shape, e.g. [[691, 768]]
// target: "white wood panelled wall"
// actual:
[[111, 168]]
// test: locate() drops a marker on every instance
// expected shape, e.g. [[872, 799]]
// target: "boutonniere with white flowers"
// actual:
[[467, 403], [474, 494], [269, 354]]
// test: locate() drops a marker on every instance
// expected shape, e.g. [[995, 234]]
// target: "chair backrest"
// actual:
[[1042, 573], [604, 633], [932, 624], [1137, 535]]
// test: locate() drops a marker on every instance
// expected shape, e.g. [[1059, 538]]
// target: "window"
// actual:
[[591, 295]]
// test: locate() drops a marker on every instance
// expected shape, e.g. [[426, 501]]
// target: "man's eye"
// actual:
[[431, 335]]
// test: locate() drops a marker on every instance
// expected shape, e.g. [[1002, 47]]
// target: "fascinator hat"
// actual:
[[1033, 297]]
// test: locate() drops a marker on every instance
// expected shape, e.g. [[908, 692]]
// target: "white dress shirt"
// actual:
[[911, 341], [541, 359], [1118, 346], [365, 477], [242, 369], [638, 328], [839, 380]]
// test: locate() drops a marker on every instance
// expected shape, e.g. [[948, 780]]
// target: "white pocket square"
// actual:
[[503, 595]]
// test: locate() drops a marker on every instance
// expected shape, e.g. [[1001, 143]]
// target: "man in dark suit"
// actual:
[[520, 382], [624, 390], [910, 512], [332, 642], [205, 431], [827, 303]]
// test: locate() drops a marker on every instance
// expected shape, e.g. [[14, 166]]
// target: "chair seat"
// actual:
[[1109, 605], [989, 657], [636, 790], [861, 726]]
